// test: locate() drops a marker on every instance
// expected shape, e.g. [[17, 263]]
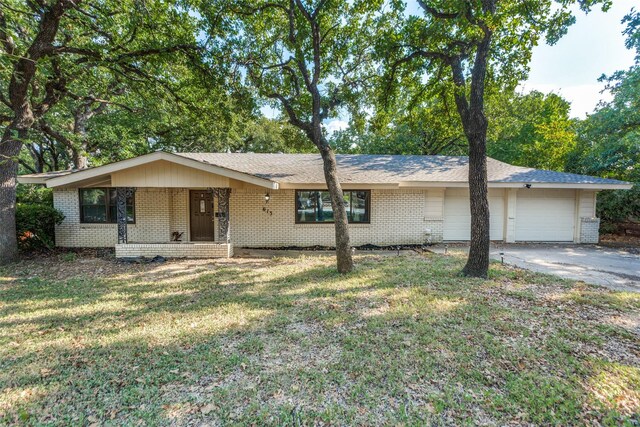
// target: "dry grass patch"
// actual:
[[290, 341]]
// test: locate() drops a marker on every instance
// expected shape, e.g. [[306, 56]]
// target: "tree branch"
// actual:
[[436, 13], [54, 89], [6, 39], [45, 128], [293, 117], [27, 166], [459, 93]]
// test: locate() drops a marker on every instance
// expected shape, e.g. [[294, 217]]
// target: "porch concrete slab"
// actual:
[[614, 268]]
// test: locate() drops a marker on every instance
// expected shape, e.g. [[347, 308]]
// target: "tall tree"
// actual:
[[310, 57], [533, 130], [413, 121], [49, 45], [24, 113], [465, 46], [609, 139]]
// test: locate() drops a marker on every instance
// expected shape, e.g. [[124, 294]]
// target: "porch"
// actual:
[[179, 222], [175, 250]]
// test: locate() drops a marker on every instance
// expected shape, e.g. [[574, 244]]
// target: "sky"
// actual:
[[593, 46]]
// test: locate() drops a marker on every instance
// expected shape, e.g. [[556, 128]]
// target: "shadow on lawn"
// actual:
[[85, 303], [406, 338]]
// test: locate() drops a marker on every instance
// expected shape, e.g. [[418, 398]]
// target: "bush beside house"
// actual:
[[616, 208], [36, 218]]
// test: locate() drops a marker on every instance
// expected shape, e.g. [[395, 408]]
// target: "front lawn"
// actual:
[[403, 340]]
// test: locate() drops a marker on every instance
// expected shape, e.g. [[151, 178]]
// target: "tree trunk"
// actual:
[[82, 162], [478, 261], [343, 244], [82, 116], [24, 70], [9, 151], [475, 125]]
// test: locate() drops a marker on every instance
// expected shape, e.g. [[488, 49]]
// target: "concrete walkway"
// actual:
[[611, 267]]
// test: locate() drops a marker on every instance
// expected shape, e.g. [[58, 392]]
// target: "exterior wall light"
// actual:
[[267, 197], [527, 185]]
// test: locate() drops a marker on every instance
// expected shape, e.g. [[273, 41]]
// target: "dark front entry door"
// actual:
[[201, 208]]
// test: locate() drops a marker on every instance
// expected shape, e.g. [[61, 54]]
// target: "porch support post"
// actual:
[[223, 216], [223, 212], [122, 194]]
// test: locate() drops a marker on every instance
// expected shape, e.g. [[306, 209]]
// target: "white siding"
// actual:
[[587, 204], [165, 174]]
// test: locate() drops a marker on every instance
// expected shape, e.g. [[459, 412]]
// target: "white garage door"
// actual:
[[545, 215], [457, 216]]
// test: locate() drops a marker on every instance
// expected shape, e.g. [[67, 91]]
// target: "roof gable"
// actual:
[[121, 168]]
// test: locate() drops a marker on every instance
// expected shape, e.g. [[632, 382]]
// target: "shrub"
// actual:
[[35, 225], [33, 193], [618, 206]]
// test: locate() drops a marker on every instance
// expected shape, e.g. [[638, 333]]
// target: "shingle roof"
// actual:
[[382, 169], [290, 169]]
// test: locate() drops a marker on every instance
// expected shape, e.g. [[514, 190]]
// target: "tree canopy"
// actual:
[[84, 83]]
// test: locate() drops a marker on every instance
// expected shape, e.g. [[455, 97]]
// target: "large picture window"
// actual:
[[315, 206], [99, 206]]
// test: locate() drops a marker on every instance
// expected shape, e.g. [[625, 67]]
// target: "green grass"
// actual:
[[402, 340]]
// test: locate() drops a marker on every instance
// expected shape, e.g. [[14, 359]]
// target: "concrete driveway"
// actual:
[[611, 267]]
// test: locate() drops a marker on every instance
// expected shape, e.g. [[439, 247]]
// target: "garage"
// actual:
[[457, 215], [545, 215]]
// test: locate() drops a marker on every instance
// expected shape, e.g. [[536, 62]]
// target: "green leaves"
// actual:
[[307, 58], [532, 130]]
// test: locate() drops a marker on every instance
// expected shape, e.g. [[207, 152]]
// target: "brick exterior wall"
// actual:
[[397, 217], [152, 220], [400, 216], [175, 250], [179, 212], [589, 230]]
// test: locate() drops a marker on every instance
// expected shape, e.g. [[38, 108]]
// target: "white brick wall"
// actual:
[[152, 221], [397, 217], [589, 230], [400, 216], [179, 212], [175, 250]]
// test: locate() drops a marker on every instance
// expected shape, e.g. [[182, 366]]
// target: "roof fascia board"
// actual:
[[32, 179], [103, 170], [152, 157], [345, 186], [564, 185], [430, 184]]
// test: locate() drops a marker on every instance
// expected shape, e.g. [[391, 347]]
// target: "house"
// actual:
[[204, 204]]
